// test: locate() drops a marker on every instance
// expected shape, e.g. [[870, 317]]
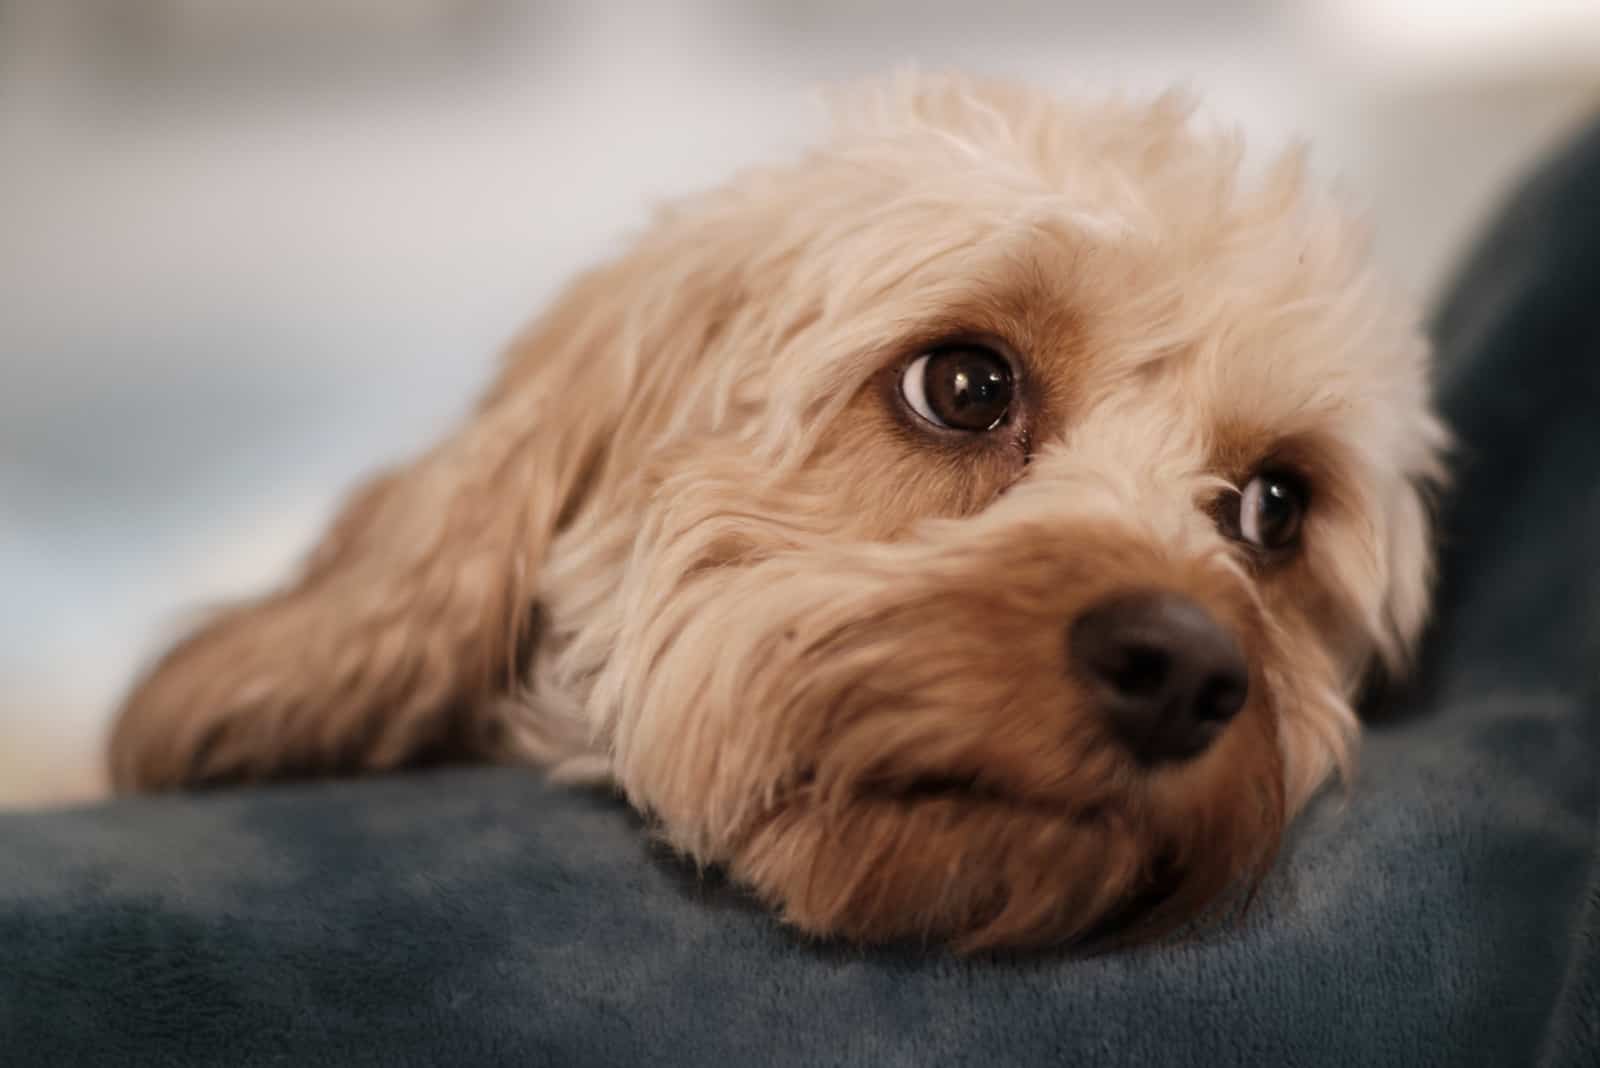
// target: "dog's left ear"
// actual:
[[412, 613]]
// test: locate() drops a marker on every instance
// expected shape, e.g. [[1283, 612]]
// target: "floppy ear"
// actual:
[[408, 617]]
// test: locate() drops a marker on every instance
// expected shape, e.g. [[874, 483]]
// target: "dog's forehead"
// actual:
[[1249, 342], [1121, 256]]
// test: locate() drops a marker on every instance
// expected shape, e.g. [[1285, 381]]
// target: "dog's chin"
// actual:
[[982, 866], [946, 859]]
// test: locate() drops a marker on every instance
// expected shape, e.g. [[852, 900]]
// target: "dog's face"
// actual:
[[973, 531]]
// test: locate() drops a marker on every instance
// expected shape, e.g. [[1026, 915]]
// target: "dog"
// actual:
[[974, 531]]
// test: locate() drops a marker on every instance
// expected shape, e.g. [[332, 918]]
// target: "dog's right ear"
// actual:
[[413, 611]]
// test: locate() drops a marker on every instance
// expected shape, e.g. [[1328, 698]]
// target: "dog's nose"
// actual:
[[1166, 674]]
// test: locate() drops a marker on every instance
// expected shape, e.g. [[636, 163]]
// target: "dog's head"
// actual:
[[965, 532]]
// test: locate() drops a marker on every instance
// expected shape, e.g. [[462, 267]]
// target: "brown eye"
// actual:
[[964, 387], [1271, 509]]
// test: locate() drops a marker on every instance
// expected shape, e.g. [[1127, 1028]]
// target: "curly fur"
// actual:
[[690, 544]]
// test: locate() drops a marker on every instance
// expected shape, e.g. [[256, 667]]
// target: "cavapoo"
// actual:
[[973, 531]]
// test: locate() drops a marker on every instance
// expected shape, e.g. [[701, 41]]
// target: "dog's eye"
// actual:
[[962, 387], [1271, 509]]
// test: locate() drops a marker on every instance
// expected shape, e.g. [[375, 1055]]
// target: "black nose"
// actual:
[[1168, 677]]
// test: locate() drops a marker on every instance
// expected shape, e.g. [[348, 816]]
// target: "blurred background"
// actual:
[[251, 248]]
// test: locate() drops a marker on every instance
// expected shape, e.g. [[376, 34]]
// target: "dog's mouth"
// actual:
[[941, 853], [939, 795], [919, 787], [937, 786], [947, 788]]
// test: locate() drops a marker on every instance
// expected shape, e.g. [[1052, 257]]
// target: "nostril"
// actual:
[[1220, 698]]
